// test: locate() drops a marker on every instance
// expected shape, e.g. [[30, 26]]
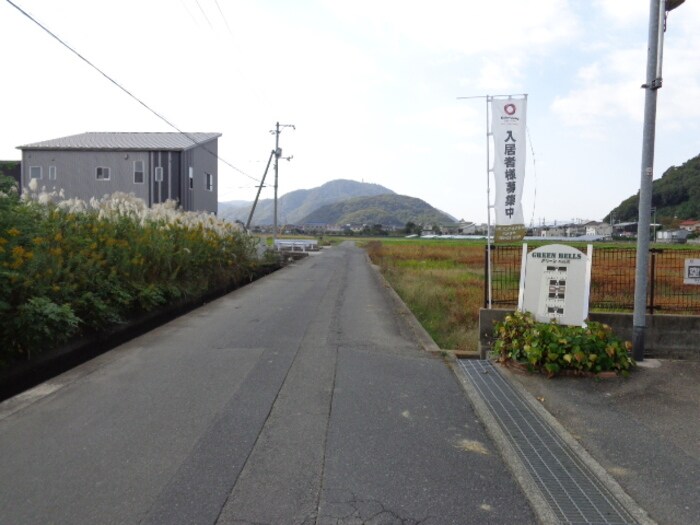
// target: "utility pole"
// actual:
[[657, 25], [278, 154], [257, 196]]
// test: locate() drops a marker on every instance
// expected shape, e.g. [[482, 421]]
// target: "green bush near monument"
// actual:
[[552, 348]]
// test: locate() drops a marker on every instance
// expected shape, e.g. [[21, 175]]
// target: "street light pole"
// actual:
[[657, 18]]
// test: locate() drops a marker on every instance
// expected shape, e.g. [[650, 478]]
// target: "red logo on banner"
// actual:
[[509, 109]]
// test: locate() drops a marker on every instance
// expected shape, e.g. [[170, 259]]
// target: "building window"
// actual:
[[209, 182], [138, 172], [191, 177], [52, 172], [159, 174], [102, 173], [35, 172]]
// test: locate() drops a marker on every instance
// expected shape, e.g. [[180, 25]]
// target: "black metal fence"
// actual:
[[612, 279]]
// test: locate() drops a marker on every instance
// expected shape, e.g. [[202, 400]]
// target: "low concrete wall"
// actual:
[[667, 336]]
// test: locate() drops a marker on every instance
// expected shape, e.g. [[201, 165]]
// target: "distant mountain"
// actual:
[[294, 206], [675, 195], [388, 210]]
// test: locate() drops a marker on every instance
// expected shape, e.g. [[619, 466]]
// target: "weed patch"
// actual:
[[441, 283]]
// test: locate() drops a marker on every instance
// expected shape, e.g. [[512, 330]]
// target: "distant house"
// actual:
[[690, 225], [599, 228], [153, 166], [575, 230], [554, 231], [314, 227], [673, 236], [466, 227]]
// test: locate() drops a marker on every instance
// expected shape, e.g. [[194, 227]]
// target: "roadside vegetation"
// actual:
[[441, 282], [553, 349], [68, 267]]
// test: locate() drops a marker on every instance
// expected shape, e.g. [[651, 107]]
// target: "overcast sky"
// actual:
[[372, 87]]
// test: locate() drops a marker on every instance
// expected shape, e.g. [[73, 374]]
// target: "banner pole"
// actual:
[[488, 204]]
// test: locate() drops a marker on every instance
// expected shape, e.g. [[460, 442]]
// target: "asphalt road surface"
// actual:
[[301, 398]]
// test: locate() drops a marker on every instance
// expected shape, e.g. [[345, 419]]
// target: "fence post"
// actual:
[[652, 280], [486, 274]]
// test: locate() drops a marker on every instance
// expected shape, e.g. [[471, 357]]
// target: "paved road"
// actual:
[[302, 398]]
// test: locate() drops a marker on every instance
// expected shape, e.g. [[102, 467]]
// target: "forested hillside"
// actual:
[[295, 205], [676, 195], [389, 210]]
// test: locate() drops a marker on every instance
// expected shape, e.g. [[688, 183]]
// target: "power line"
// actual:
[[224, 17], [203, 13], [184, 5], [117, 84]]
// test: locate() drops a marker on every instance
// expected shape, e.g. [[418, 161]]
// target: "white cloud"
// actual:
[[501, 75], [609, 88], [460, 121], [607, 91], [503, 34], [469, 27]]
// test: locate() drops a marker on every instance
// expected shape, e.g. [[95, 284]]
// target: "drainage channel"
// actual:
[[574, 493]]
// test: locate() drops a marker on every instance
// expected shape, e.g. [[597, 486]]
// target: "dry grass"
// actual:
[[441, 284]]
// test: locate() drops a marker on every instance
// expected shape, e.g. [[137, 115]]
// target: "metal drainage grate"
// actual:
[[574, 493]]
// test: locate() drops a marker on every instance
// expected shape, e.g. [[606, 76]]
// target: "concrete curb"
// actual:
[[539, 505]]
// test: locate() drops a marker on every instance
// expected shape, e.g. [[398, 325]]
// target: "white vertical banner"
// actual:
[[509, 140]]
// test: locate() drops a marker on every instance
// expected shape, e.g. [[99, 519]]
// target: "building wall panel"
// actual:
[[76, 172]]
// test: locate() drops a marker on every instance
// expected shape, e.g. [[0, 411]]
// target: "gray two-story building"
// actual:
[[153, 166]]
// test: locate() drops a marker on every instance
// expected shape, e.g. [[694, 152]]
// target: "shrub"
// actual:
[[69, 267], [41, 323], [552, 348]]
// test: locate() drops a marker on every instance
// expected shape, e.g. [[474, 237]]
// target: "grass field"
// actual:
[[442, 282]]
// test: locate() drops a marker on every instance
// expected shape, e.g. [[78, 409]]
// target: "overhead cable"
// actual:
[[117, 84]]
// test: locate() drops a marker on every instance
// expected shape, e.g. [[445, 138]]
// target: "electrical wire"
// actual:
[[117, 84], [184, 6], [203, 13], [224, 17]]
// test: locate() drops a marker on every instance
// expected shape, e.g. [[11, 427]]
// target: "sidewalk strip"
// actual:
[[574, 493]]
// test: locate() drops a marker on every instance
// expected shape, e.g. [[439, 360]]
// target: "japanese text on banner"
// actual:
[[508, 131]]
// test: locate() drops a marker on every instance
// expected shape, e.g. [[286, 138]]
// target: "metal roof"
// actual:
[[124, 141]]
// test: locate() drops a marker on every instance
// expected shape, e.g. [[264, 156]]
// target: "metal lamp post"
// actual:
[[657, 23]]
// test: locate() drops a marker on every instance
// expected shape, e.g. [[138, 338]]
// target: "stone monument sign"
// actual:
[[555, 283]]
